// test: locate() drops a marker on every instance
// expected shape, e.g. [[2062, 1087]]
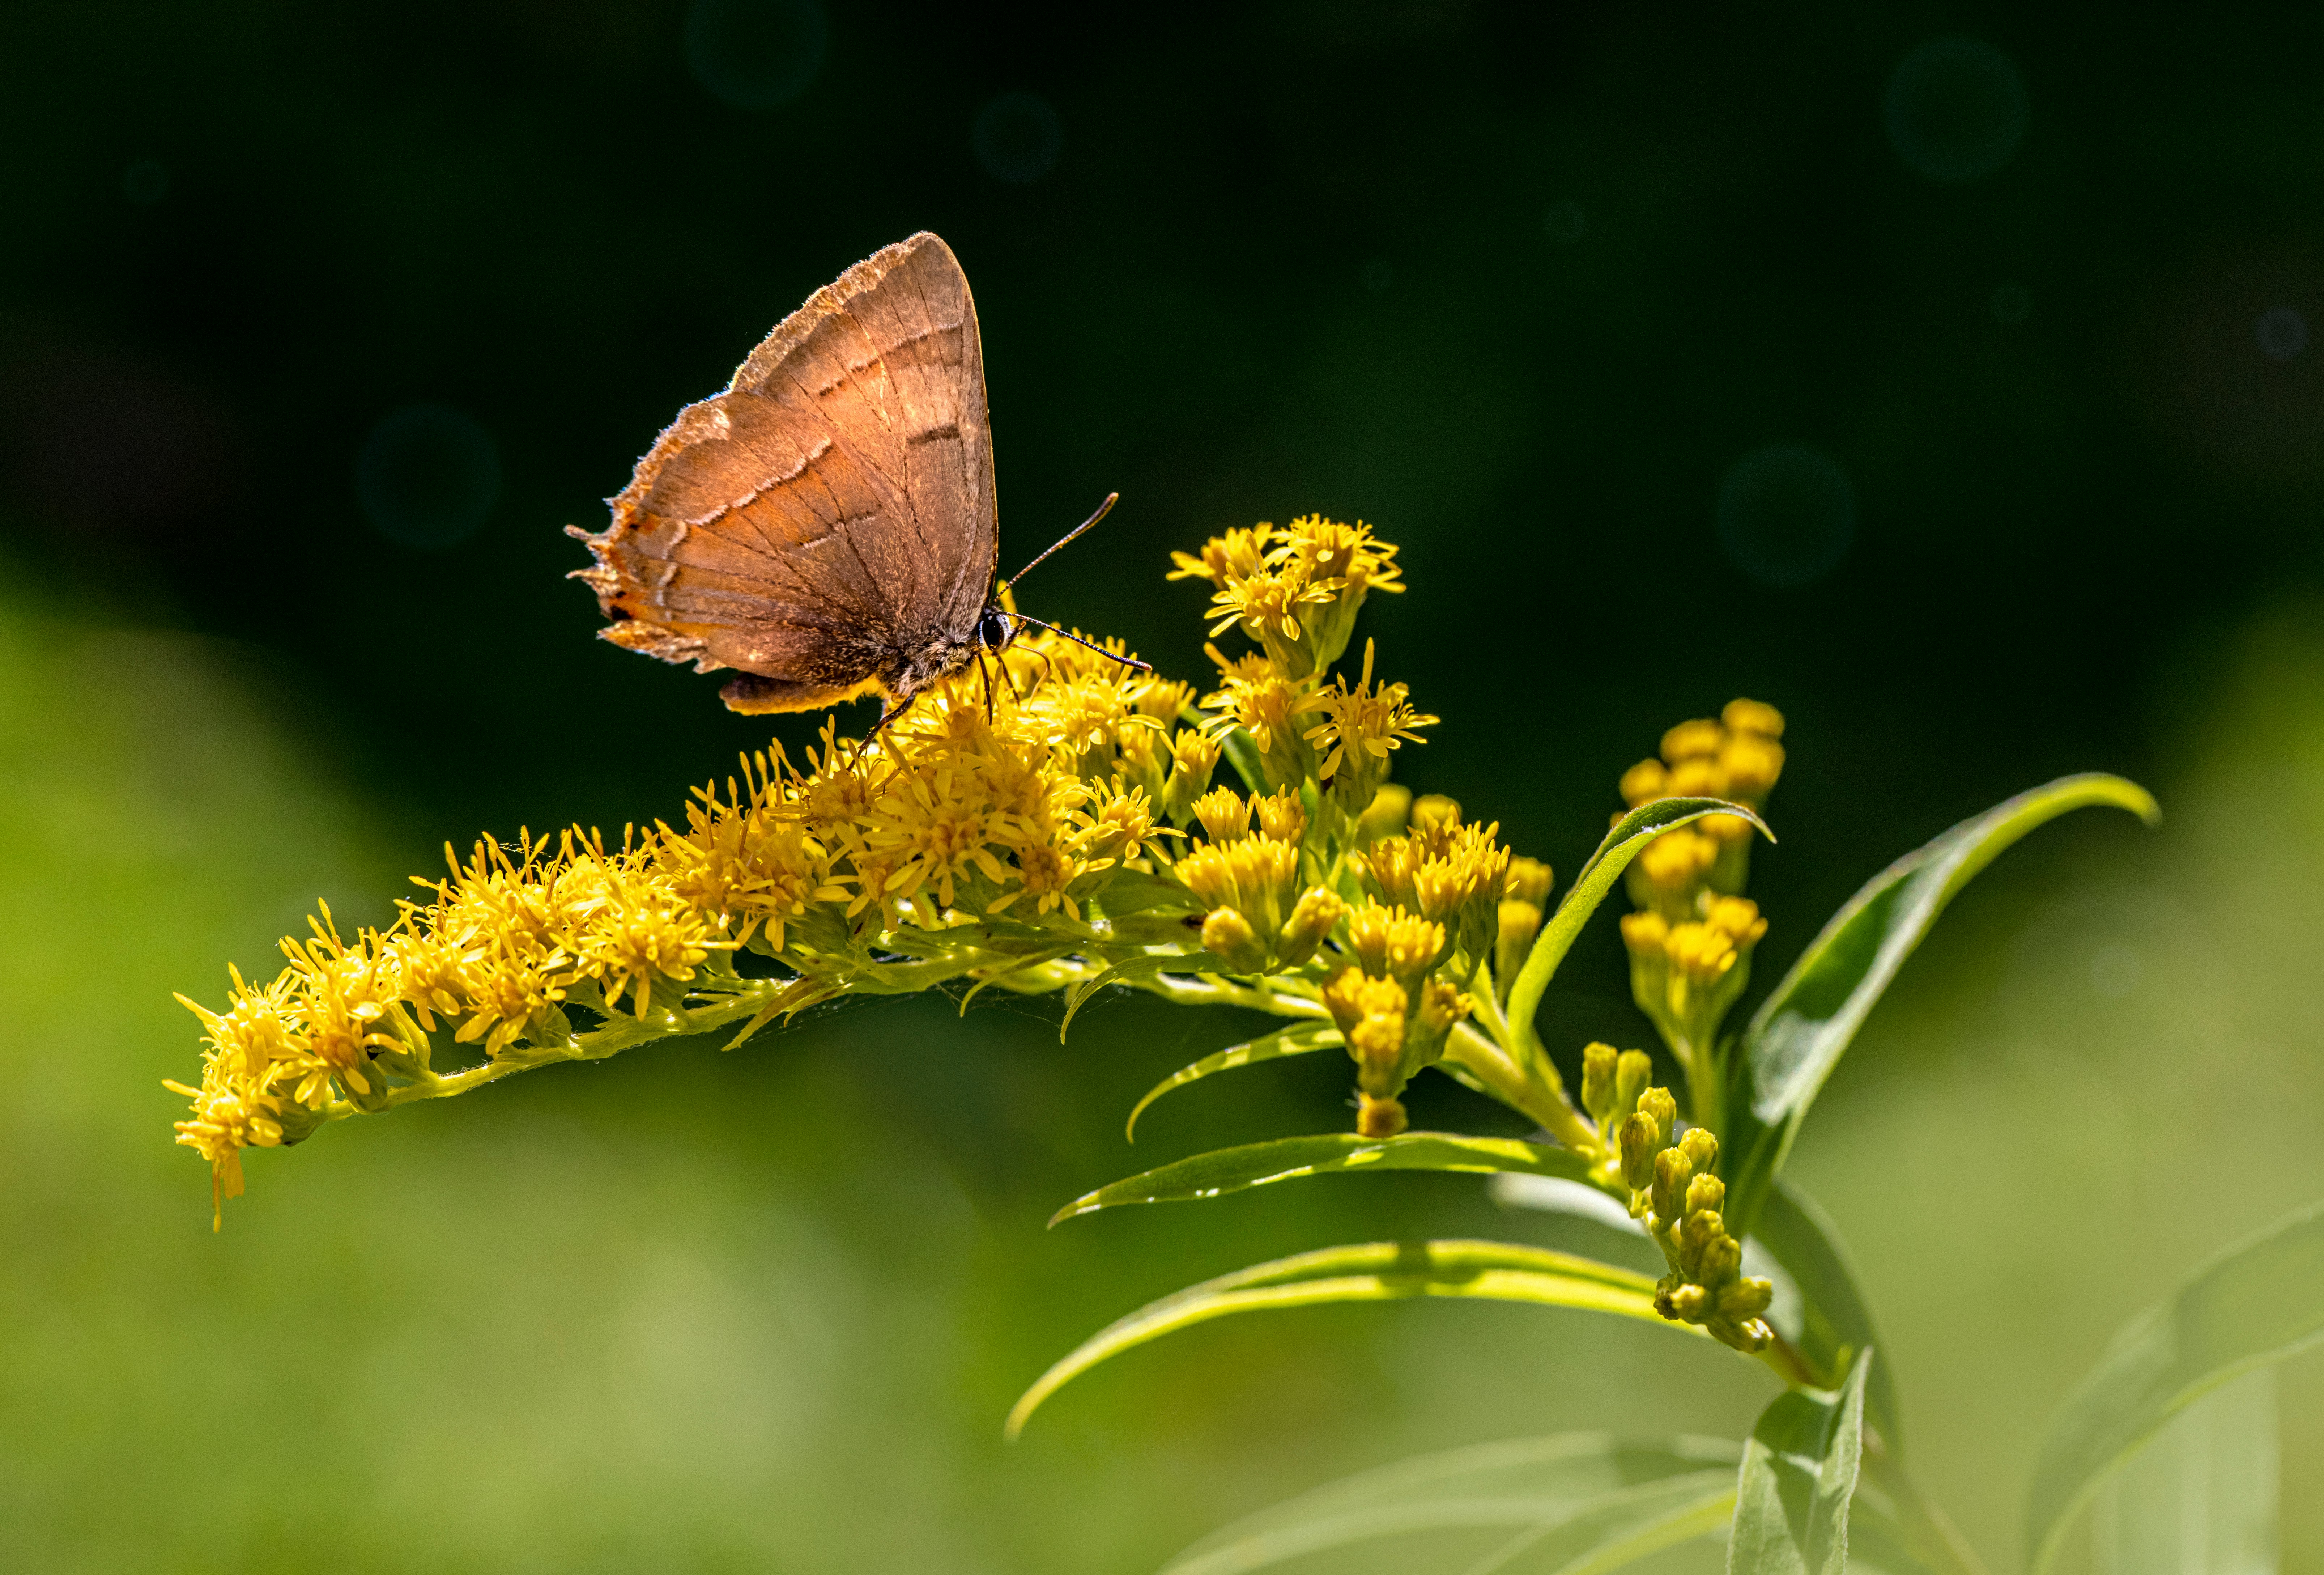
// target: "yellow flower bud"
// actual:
[[1743, 1299], [1640, 1142], [1644, 783], [1379, 1117], [1194, 756], [1441, 1007], [1227, 934], [1520, 921], [1693, 740], [1744, 715], [1225, 817], [1699, 954], [1658, 1104], [1737, 918], [1672, 1171], [1598, 1095], [1752, 765], [1434, 812], [1310, 922], [1389, 865], [1721, 1258], [1281, 815], [1705, 1192], [1631, 1073], [1529, 881], [1687, 1303], [1392, 943], [1644, 932], [1701, 1147], [1676, 861], [1699, 778]]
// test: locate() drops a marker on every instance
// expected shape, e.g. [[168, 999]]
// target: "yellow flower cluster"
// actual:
[[1057, 830], [1675, 1196], [1690, 942], [1294, 590]]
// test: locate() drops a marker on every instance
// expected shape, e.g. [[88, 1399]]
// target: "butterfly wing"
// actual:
[[829, 519]]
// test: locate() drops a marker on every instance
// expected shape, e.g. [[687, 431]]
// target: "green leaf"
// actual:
[[1136, 968], [2200, 1494], [1379, 1271], [1624, 843], [1798, 1034], [1835, 1318], [2258, 1303], [1566, 1502], [1296, 1040], [1799, 1473], [1286, 1159]]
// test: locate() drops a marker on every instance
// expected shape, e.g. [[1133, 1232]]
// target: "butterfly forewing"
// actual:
[[827, 524]]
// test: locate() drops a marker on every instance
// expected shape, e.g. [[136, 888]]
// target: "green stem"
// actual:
[[1209, 990], [1520, 1086]]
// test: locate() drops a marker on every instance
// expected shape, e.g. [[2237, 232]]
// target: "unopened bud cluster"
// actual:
[[1690, 939], [1674, 1194]]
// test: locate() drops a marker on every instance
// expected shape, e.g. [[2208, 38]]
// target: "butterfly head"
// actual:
[[995, 630]]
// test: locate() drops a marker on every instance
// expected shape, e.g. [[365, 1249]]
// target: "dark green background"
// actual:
[[1290, 257]]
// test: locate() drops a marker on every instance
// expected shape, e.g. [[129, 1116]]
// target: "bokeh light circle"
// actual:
[[2281, 332], [756, 54], [427, 476], [1018, 138], [1955, 109], [1786, 513]]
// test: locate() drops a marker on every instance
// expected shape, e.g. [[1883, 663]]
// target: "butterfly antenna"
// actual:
[[1076, 639], [1069, 535]]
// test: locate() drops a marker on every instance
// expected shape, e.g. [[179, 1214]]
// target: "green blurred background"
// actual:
[[1941, 373]]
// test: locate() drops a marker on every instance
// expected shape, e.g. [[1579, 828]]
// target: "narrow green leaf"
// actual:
[[2258, 1303], [2201, 1494], [1801, 1030], [1379, 1271], [1567, 1502], [1835, 1318], [1286, 1159], [1799, 1473], [1298, 1040], [1136, 968], [1624, 843]]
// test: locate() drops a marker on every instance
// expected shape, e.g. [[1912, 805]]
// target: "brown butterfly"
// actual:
[[825, 526]]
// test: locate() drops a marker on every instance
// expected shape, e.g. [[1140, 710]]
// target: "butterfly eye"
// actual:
[[994, 630]]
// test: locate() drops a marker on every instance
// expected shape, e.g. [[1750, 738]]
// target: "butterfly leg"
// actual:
[[983, 668]]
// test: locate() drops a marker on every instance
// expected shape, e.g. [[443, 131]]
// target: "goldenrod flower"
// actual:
[[1391, 943], [1257, 876], [1011, 828], [1224, 815], [1362, 727]]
